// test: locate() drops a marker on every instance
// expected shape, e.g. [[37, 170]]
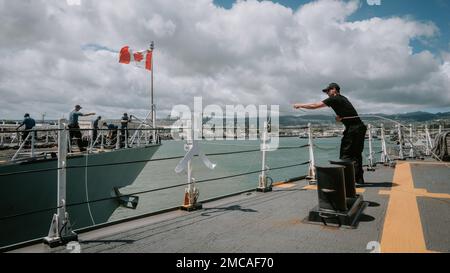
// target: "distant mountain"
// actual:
[[420, 116], [412, 117], [406, 117], [302, 120]]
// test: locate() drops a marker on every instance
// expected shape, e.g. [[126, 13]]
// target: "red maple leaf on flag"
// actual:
[[138, 56]]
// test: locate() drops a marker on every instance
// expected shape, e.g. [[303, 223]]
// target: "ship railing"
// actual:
[[144, 124], [27, 148], [409, 145], [30, 135], [408, 142], [10, 136], [42, 142]]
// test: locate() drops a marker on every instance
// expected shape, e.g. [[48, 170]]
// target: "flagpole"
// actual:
[[152, 46]]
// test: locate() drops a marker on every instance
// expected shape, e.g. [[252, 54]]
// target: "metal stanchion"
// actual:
[[138, 138], [429, 143], [60, 229], [370, 159], [102, 145], [311, 177], [126, 138], [118, 136], [411, 148], [263, 185], [401, 155], [32, 132], [19, 139], [384, 154]]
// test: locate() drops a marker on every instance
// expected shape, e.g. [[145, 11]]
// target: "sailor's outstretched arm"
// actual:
[[310, 106]]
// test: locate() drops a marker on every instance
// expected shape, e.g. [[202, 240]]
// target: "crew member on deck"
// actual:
[[29, 124], [124, 127], [74, 127], [95, 126], [352, 144], [112, 132]]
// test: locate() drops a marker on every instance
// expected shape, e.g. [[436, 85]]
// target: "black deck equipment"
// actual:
[[338, 202]]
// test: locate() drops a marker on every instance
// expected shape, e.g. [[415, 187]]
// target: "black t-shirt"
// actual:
[[29, 123], [124, 122], [96, 123], [343, 108]]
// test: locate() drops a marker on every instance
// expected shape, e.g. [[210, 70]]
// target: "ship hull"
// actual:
[[37, 191]]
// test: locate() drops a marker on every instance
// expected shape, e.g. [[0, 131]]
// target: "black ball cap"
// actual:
[[331, 86]]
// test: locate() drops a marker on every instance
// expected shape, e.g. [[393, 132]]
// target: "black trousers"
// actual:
[[75, 132], [352, 146], [124, 135], [94, 135], [25, 135]]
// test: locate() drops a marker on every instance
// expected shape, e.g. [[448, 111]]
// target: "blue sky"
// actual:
[[437, 11]]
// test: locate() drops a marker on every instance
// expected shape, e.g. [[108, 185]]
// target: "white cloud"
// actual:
[[160, 27], [254, 53]]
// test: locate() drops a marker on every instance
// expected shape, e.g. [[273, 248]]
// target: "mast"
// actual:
[[153, 108]]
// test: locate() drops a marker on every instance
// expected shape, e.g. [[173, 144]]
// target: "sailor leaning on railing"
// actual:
[[29, 124]]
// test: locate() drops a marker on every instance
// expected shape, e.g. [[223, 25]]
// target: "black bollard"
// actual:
[[335, 207], [349, 174], [331, 188]]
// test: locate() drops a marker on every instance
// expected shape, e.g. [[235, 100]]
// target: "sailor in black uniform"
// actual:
[[352, 144]]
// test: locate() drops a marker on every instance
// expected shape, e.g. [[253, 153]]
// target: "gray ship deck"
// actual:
[[408, 212]]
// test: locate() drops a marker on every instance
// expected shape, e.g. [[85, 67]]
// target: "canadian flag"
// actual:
[[142, 59]]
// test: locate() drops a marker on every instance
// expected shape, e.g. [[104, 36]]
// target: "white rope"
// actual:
[[86, 188]]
